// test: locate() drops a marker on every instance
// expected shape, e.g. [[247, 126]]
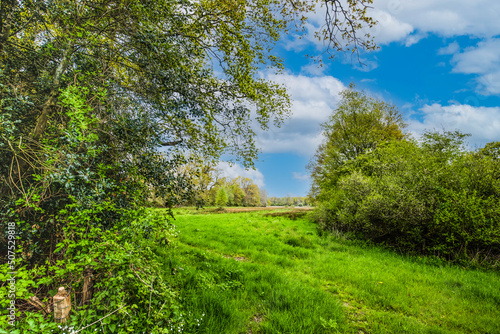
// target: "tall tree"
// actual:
[[357, 125], [238, 194], [252, 195]]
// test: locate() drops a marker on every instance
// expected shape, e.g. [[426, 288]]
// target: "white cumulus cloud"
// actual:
[[484, 61], [234, 170], [450, 49], [483, 123], [389, 28], [313, 99], [301, 176], [446, 18]]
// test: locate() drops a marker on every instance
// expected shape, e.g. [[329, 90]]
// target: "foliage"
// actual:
[[491, 150], [102, 102], [208, 180], [128, 277], [252, 195], [289, 201], [431, 198], [358, 125], [221, 199], [237, 194], [90, 227]]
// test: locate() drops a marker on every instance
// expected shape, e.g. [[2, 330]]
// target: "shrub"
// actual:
[[430, 198]]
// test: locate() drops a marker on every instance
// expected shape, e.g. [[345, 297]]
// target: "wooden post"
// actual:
[[87, 286], [62, 305]]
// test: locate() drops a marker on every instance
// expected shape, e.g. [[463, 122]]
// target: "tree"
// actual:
[[252, 195], [238, 194], [358, 125], [263, 197], [221, 199], [431, 197], [205, 177], [491, 150], [153, 59]]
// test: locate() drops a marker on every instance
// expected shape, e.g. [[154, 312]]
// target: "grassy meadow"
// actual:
[[253, 272]]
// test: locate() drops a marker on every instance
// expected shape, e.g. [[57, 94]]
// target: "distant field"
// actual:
[[253, 272], [242, 209], [267, 208]]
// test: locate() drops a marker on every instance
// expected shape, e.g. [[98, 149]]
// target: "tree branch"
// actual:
[[172, 143]]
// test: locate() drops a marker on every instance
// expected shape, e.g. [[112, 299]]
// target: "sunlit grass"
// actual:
[[250, 273]]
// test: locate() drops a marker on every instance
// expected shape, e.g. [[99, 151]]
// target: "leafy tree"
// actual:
[[205, 178], [238, 194], [250, 191], [358, 125], [252, 195], [446, 144], [491, 150], [221, 199], [263, 197]]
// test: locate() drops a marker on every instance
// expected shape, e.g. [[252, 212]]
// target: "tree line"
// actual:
[[290, 201], [212, 188]]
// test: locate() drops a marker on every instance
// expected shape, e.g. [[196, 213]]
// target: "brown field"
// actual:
[[267, 208]]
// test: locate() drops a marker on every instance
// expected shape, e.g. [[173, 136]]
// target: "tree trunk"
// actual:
[[62, 305], [50, 103]]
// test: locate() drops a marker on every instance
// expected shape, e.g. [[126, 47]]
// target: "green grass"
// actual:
[[252, 273]]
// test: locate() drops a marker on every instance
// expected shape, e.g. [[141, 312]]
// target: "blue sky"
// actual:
[[438, 62]]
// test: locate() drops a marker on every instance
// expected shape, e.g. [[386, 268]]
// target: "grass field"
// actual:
[[255, 273]]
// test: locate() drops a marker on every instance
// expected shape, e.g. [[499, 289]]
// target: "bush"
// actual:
[[80, 213], [430, 198]]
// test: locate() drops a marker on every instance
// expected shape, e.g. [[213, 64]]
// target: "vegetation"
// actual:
[[431, 197], [252, 272], [90, 90], [108, 105], [357, 126], [221, 199], [289, 201]]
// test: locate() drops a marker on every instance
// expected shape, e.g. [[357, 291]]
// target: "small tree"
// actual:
[[221, 199]]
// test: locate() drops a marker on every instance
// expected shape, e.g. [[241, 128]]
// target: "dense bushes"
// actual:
[[429, 198], [79, 218]]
